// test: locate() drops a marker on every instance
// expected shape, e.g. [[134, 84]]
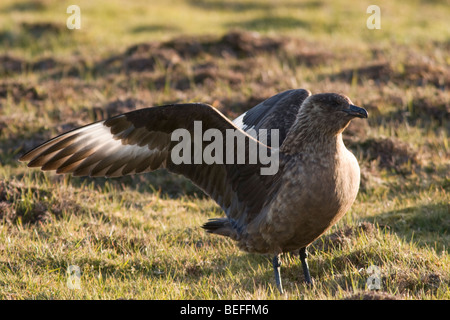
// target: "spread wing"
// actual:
[[277, 112], [140, 141]]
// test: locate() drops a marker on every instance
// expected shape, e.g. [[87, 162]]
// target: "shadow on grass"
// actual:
[[426, 225], [266, 23], [240, 6], [155, 28], [28, 6], [166, 184], [161, 181]]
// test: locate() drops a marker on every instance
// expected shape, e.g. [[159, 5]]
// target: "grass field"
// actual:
[[139, 237]]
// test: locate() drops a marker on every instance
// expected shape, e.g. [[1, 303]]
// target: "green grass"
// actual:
[[139, 237], [115, 24]]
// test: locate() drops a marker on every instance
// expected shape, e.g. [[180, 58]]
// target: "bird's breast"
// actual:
[[314, 196]]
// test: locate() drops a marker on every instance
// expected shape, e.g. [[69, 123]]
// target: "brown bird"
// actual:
[[315, 182]]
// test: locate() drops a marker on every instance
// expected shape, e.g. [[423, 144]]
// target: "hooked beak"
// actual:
[[356, 112]]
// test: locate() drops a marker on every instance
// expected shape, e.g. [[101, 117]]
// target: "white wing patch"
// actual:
[[239, 122], [260, 134], [93, 150]]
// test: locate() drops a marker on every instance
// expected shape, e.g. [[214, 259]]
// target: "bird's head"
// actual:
[[331, 111]]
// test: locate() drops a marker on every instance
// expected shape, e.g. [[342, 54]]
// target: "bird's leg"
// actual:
[[276, 268], [303, 255]]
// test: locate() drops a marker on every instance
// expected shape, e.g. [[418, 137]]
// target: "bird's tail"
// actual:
[[221, 226]]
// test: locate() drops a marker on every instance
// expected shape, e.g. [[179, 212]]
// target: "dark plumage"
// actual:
[[316, 182]]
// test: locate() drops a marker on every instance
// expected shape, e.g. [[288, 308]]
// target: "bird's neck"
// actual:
[[306, 136]]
